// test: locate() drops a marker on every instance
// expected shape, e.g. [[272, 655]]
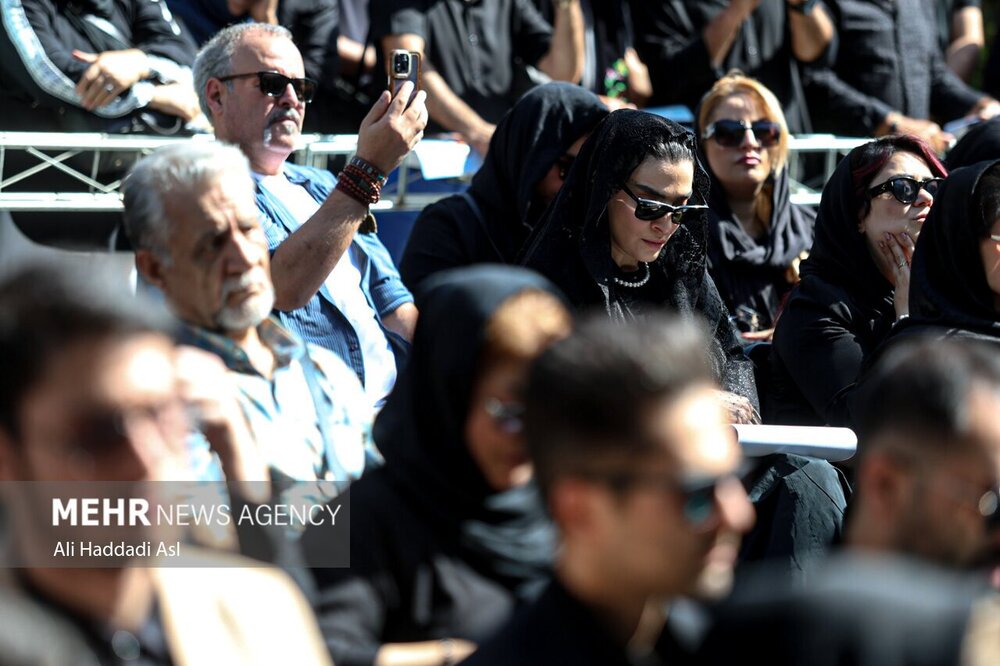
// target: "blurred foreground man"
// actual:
[[91, 392], [639, 469], [910, 587]]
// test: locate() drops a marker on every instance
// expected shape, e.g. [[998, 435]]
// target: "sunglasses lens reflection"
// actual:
[[274, 84], [729, 133]]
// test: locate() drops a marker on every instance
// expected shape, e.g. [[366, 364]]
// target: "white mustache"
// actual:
[[283, 114], [252, 277]]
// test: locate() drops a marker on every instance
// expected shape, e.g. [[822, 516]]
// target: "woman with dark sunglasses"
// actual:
[[448, 536], [756, 236], [955, 283], [626, 233], [529, 155], [855, 282]]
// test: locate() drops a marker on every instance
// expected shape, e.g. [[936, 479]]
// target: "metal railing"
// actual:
[[94, 193]]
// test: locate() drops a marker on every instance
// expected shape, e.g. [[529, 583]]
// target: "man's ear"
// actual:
[[213, 97], [573, 506], [885, 486], [150, 267]]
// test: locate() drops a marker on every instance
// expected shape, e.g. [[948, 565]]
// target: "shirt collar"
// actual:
[[285, 346]]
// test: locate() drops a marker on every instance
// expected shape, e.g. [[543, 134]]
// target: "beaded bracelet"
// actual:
[[358, 189], [368, 169]]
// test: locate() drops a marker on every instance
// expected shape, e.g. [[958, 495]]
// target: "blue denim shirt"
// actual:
[[319, 321], [311, 420]]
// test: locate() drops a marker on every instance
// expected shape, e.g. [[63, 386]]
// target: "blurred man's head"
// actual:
[[633, 454], [929, 435], [251, 84], [192, 218], [88, 387]]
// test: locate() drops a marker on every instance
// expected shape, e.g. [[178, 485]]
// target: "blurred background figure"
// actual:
[[955, 279], [634, 459], [530, 155], [452, 539], [980, 143], [961, 35], [756, 236], [613, 238], [889, 76], [611, 67], [471, 51], [96, 66], [856, 281], [689, 44]]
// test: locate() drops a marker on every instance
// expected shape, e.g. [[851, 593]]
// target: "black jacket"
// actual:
[[669, 41], [887, 59]]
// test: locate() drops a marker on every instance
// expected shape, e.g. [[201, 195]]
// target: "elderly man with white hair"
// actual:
[[190, 214]]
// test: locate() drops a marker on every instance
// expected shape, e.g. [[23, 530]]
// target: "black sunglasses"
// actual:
[[273, 84], [989, 508], [906, 189], [730, 133], [649, 210], [698, 496]]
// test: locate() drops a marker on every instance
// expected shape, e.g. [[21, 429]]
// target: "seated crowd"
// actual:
[[534, 420]]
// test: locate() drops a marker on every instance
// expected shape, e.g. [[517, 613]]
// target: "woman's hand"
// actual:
[[898, 253], [739, 408]]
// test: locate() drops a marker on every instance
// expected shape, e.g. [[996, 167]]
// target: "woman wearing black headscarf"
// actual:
[[980, 143], [955, 283], [446, 537], [755, 234], [529, 155], [627, 234], [855, 282]]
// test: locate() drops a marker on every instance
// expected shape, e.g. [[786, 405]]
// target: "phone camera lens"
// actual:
[[402, 63]]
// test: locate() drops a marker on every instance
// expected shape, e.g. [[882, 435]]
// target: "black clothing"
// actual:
[[858, 611], [472, 45], [981, 142], [314, 26], [800, 504], [949, 294], [669, 41], [608, 34], [888, 59], [439, 554], [946, 10], [571, 244], [839, 313], [559, 629], [492, 227], [751, 272]]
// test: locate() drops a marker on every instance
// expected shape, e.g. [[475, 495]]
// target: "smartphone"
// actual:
[[404, 66]]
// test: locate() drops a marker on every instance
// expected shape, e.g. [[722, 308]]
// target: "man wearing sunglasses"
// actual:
[[929, 475], [639, 472], [334, 287]]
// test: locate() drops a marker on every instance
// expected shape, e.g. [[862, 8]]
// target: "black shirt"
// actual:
[[472, 45], [669, 41], [559, 629], [888, 59]]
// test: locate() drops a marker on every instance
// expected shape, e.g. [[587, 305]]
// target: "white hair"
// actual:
[[215, 59], [181, 168]]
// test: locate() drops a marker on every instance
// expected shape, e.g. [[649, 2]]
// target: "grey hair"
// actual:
[[215, 58], [182, 167]]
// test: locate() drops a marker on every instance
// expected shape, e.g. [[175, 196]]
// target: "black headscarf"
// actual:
[[421, 429], [948, 287], [982, 142], [840, 253], [542, 126], [750, 271], [571, 244]]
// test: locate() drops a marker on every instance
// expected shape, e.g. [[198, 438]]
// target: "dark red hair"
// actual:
[[870, 158]]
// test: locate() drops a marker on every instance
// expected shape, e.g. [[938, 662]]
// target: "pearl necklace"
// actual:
[[634, 284]]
